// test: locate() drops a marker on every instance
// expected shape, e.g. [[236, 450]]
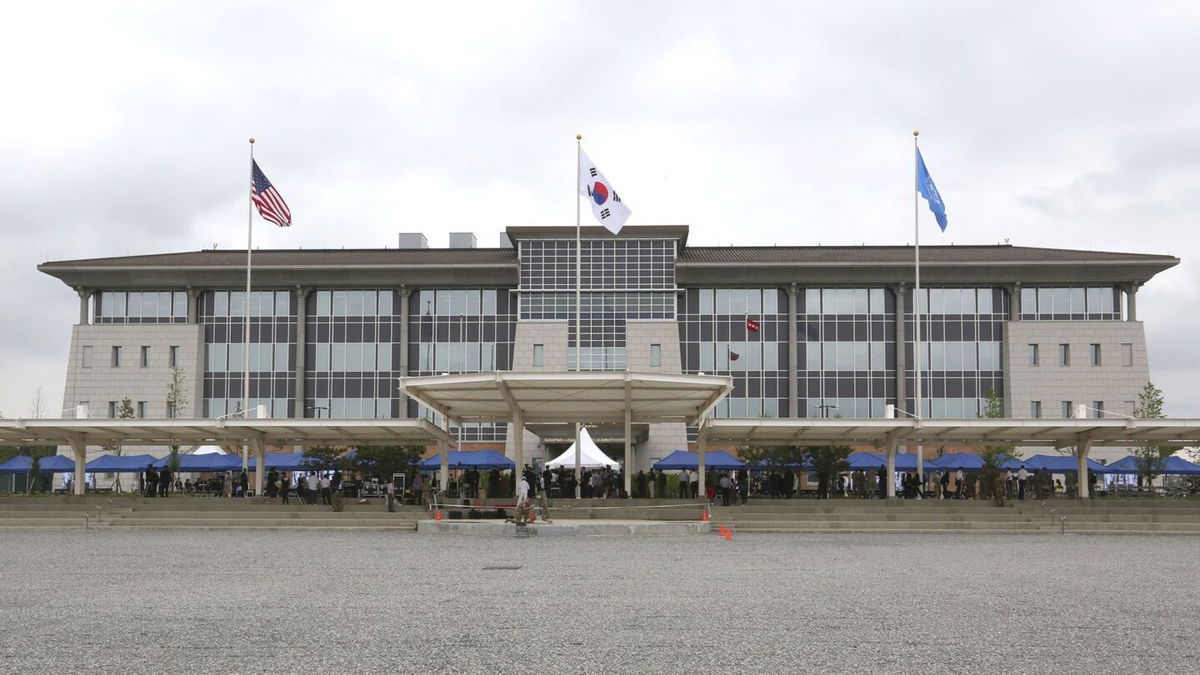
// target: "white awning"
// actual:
[[1026, 432], [585, 397], [590, 455], [273, 432]]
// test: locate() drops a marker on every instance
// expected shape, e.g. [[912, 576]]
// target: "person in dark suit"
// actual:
[[164, 482]]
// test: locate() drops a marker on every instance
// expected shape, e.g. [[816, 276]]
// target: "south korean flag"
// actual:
[[606, 203]]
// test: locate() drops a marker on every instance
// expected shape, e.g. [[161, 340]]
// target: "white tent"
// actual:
[[590, 455], [209, 450]]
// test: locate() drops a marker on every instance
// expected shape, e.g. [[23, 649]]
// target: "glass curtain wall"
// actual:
[[847, 339], [461, 330], [962, 333], [714, 339], [1071, 304], [142, 307], [272, 351], [352, 358]]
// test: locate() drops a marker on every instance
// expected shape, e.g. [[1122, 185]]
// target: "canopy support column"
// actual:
[[444, 453], [79, 446], [260, 453], [701, 447], [891, 468], [628, 452], [1081, 453], [518, 444]]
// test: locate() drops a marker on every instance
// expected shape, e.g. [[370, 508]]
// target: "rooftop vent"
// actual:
[[413, 240], [463, 240]]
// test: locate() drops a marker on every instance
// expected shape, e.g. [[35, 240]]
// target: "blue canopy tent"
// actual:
[[203, 463], [954, 461], [120, 463], [1053, 464], [464, 459], [282, 461], [905, 461], [52, 464], [1174, 465], [682, 459]]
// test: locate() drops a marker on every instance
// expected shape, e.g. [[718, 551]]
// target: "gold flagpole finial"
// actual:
[[579, 137], [251, 140], [916, 132]]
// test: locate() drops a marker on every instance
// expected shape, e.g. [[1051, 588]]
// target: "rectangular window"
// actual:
[[1033, 355], [1098, 408], [655, 356], [1064, 355], [539, 356], [87, 356], [1035, 409], [173, 356], [1066, 410], [170, 410], [144, 357], [116, 357], [1094, 353], [112, 410], [141, 409], [1126, 353]]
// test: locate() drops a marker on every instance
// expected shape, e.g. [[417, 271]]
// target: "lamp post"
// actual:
[[317, 408]]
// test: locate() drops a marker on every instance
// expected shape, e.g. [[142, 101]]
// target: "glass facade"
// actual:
[[352, 358], [620, 279], [847, 344], [272, 351], [1071, 304], [714, 339], [962, 332], [142, 307], [461, 331]]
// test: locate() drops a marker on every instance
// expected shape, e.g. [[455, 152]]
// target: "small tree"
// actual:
[[177, 399], [1151, 459], [993, 456], [827, 461], [384, 461], [323, 458], [35, 453]]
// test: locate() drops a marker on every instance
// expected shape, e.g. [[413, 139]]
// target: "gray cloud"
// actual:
[[1058, 124]]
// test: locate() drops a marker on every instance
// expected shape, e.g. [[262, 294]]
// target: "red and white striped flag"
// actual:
[[751, 325], [268, 200]]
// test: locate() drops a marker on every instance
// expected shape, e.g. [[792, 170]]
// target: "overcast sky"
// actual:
[[1045, 124]]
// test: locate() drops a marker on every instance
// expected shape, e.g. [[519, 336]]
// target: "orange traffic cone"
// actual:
[[723, 530], [438, 516], [704, 515], [728, 534]]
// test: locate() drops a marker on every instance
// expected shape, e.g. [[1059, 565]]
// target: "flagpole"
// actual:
[[578, 303], [246, 310], [917, 296]]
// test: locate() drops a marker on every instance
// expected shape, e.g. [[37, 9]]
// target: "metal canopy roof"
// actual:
[[586, 397], [275, 432], [878, 432]]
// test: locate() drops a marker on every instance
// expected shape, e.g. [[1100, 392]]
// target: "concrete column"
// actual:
[[405, 291], [1014, 302], [701, 447], [260, 472], [79, 446], [1131, 302], [793, 293], [84, 296], [193, 311], [301, 349], [891, 469], [444, 453], [1082, 450], [628, 452], [518, 442], [901, 343]]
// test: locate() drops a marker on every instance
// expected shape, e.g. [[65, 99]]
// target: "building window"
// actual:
[[1098, 408], [87, 357], [1126, 353], [173, 356], [1033, 355], [112, 410], [1094, 353], [141, 409], [170, 410], [539, 356], [655, 356], [1035, 409], [1064, 355], [1066, 410], [116, 357], [144, 358]]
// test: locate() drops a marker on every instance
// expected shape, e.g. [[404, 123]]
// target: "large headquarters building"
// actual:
[[332, 330]]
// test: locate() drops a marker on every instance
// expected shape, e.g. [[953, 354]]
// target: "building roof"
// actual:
[[903, 255], [294, 258]]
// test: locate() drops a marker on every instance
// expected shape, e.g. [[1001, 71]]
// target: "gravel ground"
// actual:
[[338, 602]]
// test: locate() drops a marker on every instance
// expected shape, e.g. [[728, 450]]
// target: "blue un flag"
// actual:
[[930, 192]]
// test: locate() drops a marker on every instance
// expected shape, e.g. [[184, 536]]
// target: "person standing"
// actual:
[[243, 484], [326, 493], [522, 491], [164, 482], [685, 484], [313, 487], [283, 489], [1022, 480]]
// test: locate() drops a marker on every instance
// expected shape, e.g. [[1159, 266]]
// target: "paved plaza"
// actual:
[[345, 601]]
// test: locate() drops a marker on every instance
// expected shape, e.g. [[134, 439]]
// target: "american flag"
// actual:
[[268, 200]]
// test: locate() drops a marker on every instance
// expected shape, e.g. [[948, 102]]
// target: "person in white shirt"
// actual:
[[522, 491], [313, 485], [326, 494], [1022, 479], [685, 479], [959, 481]]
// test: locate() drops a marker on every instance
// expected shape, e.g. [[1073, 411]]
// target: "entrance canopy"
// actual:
[[585, 397]]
